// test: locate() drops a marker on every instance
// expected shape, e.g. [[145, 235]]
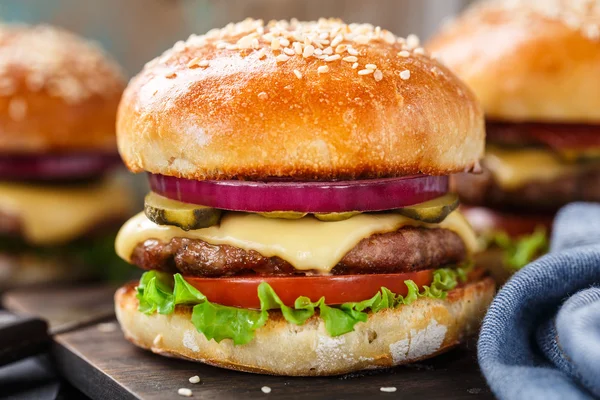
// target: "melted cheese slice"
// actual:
[[58, 214], [306, 243], [512, 169]]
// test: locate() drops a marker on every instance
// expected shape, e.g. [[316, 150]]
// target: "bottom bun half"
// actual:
[[391, 337]]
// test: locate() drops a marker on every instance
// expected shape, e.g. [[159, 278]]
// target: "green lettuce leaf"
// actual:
[[521, 251], [220, 322], [161, 292]]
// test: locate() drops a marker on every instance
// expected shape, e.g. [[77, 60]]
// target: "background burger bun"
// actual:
[[397, 336], [528, 60], [226, 106], [58, 92]]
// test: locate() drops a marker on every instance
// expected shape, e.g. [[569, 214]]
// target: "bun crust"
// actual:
[[228, 105], [58, 92], [528, 60], [392, 337]]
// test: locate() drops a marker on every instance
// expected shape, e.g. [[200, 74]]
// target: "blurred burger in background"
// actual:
[[60, 201], [535, 66]]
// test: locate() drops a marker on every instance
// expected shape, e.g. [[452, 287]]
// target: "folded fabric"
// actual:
[[541, 336]]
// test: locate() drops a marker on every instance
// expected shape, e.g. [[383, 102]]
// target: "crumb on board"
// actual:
[[265, 389]]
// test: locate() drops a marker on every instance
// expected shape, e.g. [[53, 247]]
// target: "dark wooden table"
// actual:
[[96, 359]]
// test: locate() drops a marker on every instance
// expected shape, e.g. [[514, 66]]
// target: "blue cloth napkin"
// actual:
[[541, 336]]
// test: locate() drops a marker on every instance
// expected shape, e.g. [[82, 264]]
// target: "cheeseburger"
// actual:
[[535, 66], [299, 221], [59, 207]]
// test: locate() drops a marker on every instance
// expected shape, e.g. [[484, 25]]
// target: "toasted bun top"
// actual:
[[311, 100], [58, 92], [528, 60]]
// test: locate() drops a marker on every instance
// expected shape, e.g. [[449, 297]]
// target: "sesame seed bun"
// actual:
[[528, 60], [317, 100], [58, 92], [391, 337]]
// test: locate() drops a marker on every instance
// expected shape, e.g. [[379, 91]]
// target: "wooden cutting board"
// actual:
[[97, 360]]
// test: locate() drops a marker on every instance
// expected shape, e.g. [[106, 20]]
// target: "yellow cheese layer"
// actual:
[[306, 243], [512, 168], [51, 214]]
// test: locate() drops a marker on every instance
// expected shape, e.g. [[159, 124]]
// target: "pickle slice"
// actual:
[[164, 211], [333, 217], [283, 214], [432, 211]]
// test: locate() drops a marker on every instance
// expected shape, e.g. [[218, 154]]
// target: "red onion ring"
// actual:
[[56, 166], [311, 197]]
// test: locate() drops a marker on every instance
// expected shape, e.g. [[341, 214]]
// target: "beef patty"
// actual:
[[406, 250], [538, 196]]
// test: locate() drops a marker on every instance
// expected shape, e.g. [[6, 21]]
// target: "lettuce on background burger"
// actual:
[[299, 221], [535, 66], [60, 205]]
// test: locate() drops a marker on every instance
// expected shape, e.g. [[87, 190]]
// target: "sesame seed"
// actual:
[[419, 50], [378, 75], [388, 37], [157, 340], [297, 47], [365, 71], [170, 75], [318, 52], [412, 41], [371, 66], [390, 389], [194, 62], [592, 32], [275, 44], [282, 58], [404, 54], [255, 43], [341, 48], [184, 392], [361, 39], [350, 59], [261, 54], [308, 51], [405, 74], [221, 45], [263, 96], [298, 74], [333, 57], [203, 64], [337, 40], [328, 50], [265, 389], [289, 51], [352, 51], [355, 65], [323, 69], [232, 47], [284, 42], [194, 379]]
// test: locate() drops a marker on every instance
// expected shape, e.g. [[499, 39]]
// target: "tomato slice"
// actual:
[[337, 289], [485, 220]]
